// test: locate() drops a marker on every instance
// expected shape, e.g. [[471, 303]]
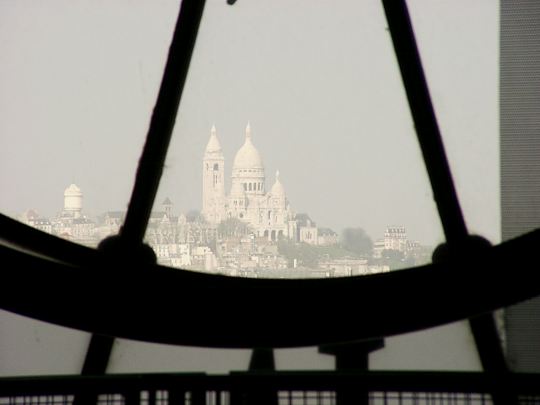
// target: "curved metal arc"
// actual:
[[267, 289], [19, 235], [166, 305]]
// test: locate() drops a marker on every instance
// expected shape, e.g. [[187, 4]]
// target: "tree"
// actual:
[[391, 254], [306, 255], [194, 216], [232, 227], [357, 241], [395, 259]]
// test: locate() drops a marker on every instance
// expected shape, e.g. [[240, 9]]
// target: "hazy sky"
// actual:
[[317, 80]]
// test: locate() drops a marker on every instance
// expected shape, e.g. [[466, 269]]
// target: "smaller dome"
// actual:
[[167, 201], [73, 190], [277, 189]]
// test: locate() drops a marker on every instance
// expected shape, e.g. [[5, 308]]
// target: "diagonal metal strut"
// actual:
[[444, 192], [154, 153]]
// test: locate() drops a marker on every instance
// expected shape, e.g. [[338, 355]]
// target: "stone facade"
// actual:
[[268, 214]]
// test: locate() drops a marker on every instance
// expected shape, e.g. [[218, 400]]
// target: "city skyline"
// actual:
[[74, 206], [242, 229], [224, 246], [247, 159], [92, 212]]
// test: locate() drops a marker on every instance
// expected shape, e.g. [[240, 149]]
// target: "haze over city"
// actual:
[[325, 102], [319, 84]]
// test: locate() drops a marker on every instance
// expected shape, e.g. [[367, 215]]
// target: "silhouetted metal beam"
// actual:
[[150, 302], [153, 157], [430, 140], [425, 121], [352, 357], [95, 363], [162, 122], [97, 355], [18, 235]]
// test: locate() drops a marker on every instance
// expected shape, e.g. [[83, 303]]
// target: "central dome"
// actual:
[[248, 156], [72, 190]]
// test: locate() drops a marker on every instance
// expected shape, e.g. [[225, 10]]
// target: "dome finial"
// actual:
[[248, 130], [277, 189], [213, 130], [248, 156]]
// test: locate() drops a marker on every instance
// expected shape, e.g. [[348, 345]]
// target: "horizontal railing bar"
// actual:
[[459, 382]]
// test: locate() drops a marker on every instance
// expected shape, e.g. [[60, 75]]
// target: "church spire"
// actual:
[[213, 145], [213, 207]]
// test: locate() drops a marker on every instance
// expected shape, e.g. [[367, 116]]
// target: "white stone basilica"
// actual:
[[267, 213]]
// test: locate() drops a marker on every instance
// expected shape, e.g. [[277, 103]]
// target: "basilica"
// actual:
[[267, 213]]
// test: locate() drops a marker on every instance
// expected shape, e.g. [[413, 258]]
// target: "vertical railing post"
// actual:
[[198, 396], [262, 359], [352, 357], [132, 397]]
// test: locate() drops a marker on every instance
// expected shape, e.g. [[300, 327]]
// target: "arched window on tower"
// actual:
[[216, 166], [249, 186]]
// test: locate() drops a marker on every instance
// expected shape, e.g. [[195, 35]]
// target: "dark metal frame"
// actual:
[[415, 289], [149, 302]]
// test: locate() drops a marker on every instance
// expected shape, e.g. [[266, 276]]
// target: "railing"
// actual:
[[275, 388]]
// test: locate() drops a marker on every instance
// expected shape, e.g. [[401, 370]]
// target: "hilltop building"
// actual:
[[268, 214]]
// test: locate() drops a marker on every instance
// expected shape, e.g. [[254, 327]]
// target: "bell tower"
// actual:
[[213, 207]]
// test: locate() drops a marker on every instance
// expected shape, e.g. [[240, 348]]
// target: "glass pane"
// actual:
[[429, 349], [31, 347], [78, 81], [294, 153], [460, 54], [130, 356]]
